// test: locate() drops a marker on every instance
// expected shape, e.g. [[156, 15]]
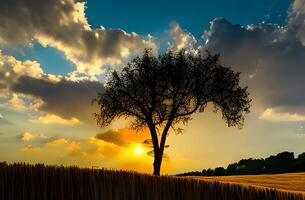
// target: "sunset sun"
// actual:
[[139, 150]]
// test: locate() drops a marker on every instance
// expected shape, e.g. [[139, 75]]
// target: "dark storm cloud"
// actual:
[[64, 98], [62, 24], [271, 59]]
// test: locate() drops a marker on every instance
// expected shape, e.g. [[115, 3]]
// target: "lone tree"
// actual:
[[161, 92]]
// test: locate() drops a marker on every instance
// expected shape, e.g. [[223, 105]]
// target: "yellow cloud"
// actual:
[[26, 136], [123, 136], [18, 102], [98, 148], [32, 150], [28, 67], [277, 116], [54, 119], [13, 67], [68, 145], [180, 38]]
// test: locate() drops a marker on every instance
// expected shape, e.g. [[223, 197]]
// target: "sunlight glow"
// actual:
[[139, 150]]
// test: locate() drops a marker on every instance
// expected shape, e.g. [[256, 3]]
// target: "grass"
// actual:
[[294, 182], [23, 181]]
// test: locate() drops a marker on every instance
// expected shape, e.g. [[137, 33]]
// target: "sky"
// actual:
[[55, 56]]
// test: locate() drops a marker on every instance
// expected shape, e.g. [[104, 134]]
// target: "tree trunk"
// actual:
[[157, 165], [159, 152], [157, 161], [159, 149], [159, 155]]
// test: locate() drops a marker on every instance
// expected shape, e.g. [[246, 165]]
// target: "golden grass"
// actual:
[[22, 181], [289, 181]]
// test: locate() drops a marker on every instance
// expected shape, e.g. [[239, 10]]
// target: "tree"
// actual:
[[219, 171], [299, 165], [280, 163], [161, 92]]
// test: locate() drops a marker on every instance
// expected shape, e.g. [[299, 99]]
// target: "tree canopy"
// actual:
[[161, 92]]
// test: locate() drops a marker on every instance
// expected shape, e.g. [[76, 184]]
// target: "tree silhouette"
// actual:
[[161, 92], [283, 162]]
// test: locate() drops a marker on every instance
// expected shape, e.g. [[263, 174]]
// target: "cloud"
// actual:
[[70, 146], [12, 69], [99, 148], [123, 136], [107, 145], [65, 98], [62, 24], [32, 150], [180, 38], [54, 119], [16, 103], [19, 102], [26, 136], [113, 137], [270, 57], [271, 114], [297, 19], [24, 86], [23, 80]]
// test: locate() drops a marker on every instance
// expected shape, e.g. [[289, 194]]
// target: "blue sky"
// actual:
[[194, 15], [54, 55]]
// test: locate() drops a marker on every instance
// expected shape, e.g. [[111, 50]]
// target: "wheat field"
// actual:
[[294, 182], [23, 181]]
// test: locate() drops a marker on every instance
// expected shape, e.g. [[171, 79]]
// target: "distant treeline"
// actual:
[[284, 162]]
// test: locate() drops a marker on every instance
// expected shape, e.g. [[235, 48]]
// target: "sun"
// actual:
[[139, 150]]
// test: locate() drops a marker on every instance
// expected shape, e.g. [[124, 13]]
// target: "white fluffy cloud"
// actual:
[[180, 38], [27, 137], [275, 115], [270, 57], [54, 119], [24, 86], [11, 69], [19, 102], [62, 24]]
